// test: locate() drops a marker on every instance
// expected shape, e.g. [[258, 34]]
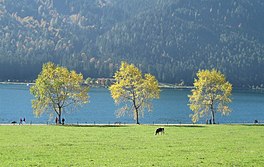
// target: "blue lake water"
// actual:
[[15, 103]]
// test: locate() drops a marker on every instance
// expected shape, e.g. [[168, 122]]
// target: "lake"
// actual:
[[15, 103]]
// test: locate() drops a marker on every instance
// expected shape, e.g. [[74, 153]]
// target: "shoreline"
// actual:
[[161, 85], [17, 83]]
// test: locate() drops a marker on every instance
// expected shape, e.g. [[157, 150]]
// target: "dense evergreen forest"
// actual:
[[171, 39]]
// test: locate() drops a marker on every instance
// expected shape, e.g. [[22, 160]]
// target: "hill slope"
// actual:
[[170, 39]]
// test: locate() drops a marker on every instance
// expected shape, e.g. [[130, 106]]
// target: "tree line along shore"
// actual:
[[57, 88]]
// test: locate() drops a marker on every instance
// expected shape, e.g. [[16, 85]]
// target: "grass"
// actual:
[[217, 145]]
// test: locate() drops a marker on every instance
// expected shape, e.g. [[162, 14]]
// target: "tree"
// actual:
[[57, 88], [133, 90], [210, 94]]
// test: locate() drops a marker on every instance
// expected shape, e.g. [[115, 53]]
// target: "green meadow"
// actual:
[[132, 145]]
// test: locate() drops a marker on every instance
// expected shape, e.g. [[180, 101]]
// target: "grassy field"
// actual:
[[218, 145]]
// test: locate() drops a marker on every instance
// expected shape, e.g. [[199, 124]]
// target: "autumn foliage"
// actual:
[[211, 94], [57, 88], [134, 91]]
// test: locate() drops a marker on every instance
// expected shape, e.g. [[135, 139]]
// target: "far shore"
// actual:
[[17, 83], [161, 85]]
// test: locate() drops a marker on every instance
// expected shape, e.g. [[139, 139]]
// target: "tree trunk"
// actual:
[[137, 117], [213, 118], [213, 114], [59, 115], [136, 107]]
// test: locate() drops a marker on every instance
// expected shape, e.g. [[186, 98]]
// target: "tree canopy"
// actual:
[[133, 90], [57, 88], [211, 94]]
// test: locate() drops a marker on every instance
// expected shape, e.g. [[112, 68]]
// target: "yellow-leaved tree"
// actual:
[[134, 91], [57, 88], [211, 94]]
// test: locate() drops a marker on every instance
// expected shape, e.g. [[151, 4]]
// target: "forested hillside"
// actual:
[[171, 39]]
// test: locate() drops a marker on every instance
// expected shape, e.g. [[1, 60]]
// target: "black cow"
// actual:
[[159, 130]]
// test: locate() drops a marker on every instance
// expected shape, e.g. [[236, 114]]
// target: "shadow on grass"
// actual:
[[252, 124], [191, 126], [98, 126], [132, 125], [182, 125]]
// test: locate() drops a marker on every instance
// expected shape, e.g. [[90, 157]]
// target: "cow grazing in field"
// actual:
[[159, 130]]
